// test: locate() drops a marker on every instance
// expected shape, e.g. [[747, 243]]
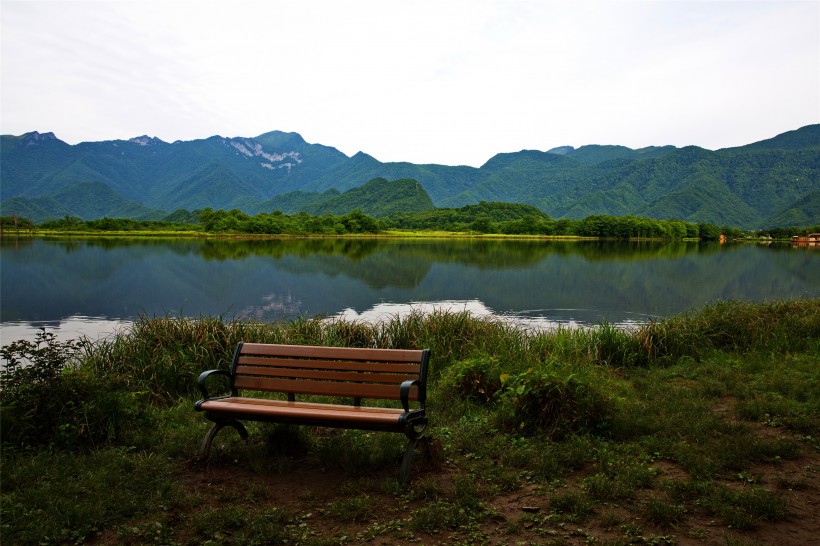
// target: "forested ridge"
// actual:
[[767, 184]]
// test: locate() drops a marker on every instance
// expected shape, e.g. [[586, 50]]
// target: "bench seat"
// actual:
[[306, 413]]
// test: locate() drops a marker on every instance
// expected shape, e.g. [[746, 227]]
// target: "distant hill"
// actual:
[[806, 137], [378, 198], [769, 183]]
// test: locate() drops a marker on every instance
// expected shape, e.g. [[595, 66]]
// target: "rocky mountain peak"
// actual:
[[561, 150], [34, 138], [145, 140]]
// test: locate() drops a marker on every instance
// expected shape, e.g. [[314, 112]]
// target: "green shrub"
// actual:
[[46, 401], [39, 361], [476, 379], [541, 401]]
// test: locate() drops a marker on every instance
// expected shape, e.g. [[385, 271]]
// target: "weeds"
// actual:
[[746, 508], [575, 505], [662, 512], [442, 515], [355, 509], [63, 497]]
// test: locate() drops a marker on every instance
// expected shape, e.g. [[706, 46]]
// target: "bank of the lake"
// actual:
[[700, 428], [81, 234], [388, 233]]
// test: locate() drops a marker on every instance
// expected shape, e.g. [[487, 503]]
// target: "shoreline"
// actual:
[[391, 234]]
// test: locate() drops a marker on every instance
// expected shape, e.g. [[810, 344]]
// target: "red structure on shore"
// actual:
[[812, 239]]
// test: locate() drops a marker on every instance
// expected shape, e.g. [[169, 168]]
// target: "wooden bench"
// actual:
[[356, 374]]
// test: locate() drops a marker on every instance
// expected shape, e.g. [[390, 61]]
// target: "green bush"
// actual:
[[542, 402], [476, 379], [46, 401]]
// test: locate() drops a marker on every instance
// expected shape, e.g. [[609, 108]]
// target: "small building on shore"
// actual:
[[811, 239]]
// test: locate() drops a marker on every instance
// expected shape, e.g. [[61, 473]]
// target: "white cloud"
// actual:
[[422, 81]]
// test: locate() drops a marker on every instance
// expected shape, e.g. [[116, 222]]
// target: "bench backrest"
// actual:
[[329, 371]]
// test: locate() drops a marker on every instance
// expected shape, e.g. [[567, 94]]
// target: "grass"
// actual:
[[600, 436]]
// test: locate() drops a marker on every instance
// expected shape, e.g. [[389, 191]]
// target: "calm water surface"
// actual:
[[95, 286]]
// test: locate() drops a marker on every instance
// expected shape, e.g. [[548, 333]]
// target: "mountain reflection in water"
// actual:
[[538, 283]]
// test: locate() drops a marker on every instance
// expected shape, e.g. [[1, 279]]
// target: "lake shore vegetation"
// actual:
[[703, 428], [485, 218]]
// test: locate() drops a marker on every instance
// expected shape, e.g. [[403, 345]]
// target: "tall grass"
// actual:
[[775, 327], [164, 355]]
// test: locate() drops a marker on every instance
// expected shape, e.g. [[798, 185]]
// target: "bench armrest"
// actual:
[[404, 392], [203, 377]]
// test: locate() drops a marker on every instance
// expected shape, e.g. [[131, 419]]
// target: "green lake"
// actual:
[[93, 286]]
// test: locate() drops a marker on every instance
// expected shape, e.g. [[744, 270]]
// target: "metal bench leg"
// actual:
[[205, 450], [404, 477]]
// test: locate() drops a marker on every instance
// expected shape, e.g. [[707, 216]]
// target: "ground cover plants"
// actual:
[[699, 429]]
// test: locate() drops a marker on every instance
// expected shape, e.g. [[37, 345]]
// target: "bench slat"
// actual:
[[391, 379], [241, 401], [339, 353], [330, 364], [356, 390]]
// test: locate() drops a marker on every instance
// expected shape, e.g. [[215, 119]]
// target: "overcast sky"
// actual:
[[449, 82]]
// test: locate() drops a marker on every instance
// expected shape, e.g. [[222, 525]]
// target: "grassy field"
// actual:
[[700, 429]]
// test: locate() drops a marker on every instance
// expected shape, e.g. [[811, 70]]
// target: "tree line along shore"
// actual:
[[482, 219]]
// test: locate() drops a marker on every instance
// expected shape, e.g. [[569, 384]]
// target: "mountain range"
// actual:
[[769, 183]]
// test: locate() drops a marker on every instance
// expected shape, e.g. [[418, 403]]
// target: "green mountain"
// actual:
[[217, 172], [595, 154], [86, 200], [802, 212], [806, 137], [378, 198], [768, 183]]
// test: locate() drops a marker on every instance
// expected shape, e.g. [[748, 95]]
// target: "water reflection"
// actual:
[[540, 283], [530, 319], [75, 327]]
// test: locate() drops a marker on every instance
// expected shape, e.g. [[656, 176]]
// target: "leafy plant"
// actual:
[[46, 400], [477, 379], [541, 401]]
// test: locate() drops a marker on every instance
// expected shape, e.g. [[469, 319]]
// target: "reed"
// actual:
[[162, 354], [774, 327]]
